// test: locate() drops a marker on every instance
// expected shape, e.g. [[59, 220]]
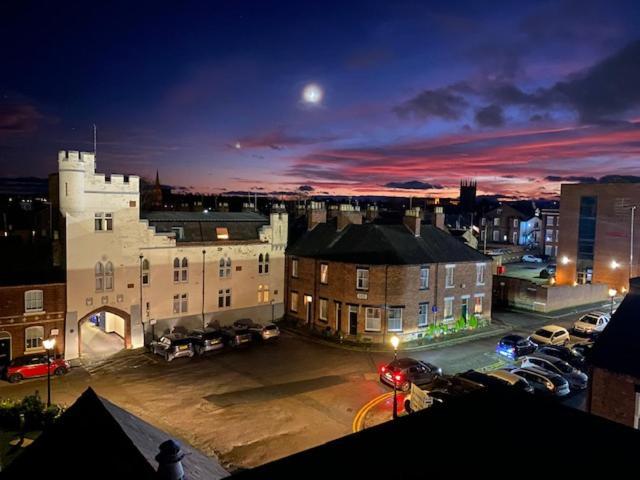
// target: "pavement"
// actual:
[[248, 406]]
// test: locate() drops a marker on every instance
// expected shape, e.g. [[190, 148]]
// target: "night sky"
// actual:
[[415, 95]]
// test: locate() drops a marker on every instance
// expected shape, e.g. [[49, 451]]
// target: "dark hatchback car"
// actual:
[[496, 379], [206, 340], [405, 371], [514, 346], [569, 355], [236, 335], [173, 345]]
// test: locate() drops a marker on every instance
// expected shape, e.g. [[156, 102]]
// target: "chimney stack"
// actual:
[[170, 461], [348, 214], [412, 220], [316, 214], [371, 213], [333, 212], [438, 218]]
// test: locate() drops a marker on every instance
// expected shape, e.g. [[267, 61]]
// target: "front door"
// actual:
[[338, 317], [353, 320], [5, 350], [308, 302], [465, 308]]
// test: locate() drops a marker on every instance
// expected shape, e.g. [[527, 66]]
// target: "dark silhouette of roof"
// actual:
[[201, 227], [618, 347], [96, 439], [375, 244], [488, 433]]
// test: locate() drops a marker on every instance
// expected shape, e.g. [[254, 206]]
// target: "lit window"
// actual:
[[477, 305], [550, 221], [362, 278], [222, 233], [324, 273], [294, 267], [294, 301], [496, 222], [33, 338], [263, 293], [33, 301], [424, 278], [259, 293], [448, 308], [372, 319], [146, 273], [394, 319], [323, 305], [449, 276], [423, 314]]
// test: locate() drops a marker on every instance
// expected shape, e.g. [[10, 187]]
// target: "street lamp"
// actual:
[[565, 260], [48, 345], [614, 264], [612, 293], [395, 341]]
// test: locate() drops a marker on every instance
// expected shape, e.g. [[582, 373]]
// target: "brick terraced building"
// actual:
[[370, 281]]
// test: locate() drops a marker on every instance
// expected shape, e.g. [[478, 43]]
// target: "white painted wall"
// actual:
[[114, 324], [84, 192]]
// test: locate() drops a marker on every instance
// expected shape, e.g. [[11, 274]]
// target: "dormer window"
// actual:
[[179, 232], [222, 233]]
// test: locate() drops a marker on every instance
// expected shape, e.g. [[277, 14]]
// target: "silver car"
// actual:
[[543, 381], [577, 380], [270, 331]]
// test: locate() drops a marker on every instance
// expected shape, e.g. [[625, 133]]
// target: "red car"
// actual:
[[35, 366]]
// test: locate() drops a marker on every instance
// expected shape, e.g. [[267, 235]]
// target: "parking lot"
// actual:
[[264, 401]]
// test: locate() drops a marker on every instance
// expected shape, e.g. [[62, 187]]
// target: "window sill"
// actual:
[[33, 313], [362, 289], [372, 331], [30, 351], [394, 331], [450, 286], [423, 326]]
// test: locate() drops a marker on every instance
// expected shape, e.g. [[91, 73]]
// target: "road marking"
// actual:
[[356, 426]]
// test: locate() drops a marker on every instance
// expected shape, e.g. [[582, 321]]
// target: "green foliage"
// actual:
[[34, 411], [473, 322], [461, 324]]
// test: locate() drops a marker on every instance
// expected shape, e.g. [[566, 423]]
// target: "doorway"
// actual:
[[338, 317], [5, 349], [308, 303], [465, 308], [102, 334], [353, 320]]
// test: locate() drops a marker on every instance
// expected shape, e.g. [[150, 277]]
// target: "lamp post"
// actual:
[[612, 293], [48, 344], [395, 341]]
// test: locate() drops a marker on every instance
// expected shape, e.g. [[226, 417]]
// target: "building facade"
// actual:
[[550, 226], [369, 281], [615, 380], [599, 237], [501, 225], [30, 314], [202, 271]]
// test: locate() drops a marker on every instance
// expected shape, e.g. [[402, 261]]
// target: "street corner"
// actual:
[[378, 410]]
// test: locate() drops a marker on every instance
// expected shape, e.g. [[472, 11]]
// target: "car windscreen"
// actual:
[[507, 342], [271, 327], [181, 341], [592, 319], [544, 333], [210, 335], [557, 380], [564, 367]]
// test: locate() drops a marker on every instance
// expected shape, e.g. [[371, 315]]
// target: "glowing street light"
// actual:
[[612, 293], [614, 264], [48, 345], [565, 260], [395, 341]]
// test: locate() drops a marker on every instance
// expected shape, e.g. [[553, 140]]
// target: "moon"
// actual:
[[312, 94]]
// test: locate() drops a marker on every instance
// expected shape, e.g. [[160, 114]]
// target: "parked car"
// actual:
[[549, 271], [514, 346], [236, 335], [531, 259], [583, 349], [441, 389], [405, 371], [206, 340], [550, 335], [499, 378], [173, 345], [591, 323], [569, 355], [577, 379], [543, 381], [270, 331], [35, 366]]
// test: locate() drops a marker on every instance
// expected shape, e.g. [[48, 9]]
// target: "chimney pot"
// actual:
[[412, 220], [170, 461]]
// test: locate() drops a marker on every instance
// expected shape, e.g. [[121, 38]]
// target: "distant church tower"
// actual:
[[156, 195], [468, 195]]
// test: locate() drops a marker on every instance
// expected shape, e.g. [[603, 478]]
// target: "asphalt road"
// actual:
[[256, 404]]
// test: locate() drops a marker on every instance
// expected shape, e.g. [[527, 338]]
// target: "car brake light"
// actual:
[[383, 369], [398, 377]]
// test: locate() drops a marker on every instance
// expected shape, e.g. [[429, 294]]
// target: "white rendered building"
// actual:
[[169, 269]]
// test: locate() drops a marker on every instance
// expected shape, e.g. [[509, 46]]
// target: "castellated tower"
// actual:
[[73, 167]]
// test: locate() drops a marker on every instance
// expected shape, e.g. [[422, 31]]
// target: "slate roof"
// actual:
[[374, 244], [618, 347], [472, 435], [201, 227], [96, 439]]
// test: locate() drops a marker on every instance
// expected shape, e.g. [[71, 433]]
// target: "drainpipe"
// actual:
[[203, 278]]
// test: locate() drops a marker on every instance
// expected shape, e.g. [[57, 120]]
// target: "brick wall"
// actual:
[[14, 321], [392, 285], [613, 396]]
